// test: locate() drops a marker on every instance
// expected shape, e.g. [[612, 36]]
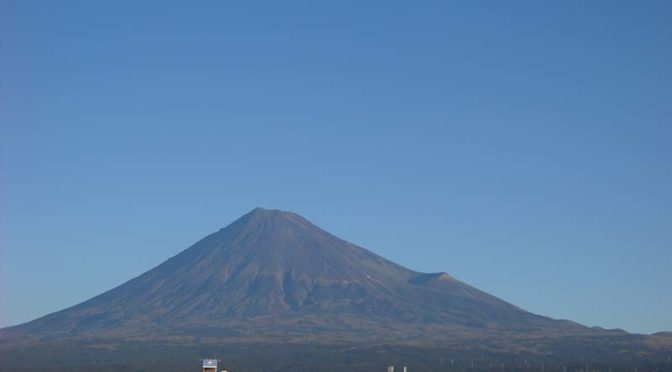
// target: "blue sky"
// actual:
[[522, 146]]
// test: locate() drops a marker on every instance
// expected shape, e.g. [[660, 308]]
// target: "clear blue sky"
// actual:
[[523, 147]]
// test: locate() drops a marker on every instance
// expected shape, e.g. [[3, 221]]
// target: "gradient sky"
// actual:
[[523, 147]]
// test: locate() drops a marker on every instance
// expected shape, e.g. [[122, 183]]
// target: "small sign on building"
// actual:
[[209, 365]]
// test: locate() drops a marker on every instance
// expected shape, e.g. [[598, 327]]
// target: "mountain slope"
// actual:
[[276, 273], [273, 292]]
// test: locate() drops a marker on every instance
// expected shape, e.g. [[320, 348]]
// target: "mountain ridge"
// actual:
[[274, 278], [278, 264]]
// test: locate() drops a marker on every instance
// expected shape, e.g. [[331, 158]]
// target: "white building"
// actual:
[[209, 365]]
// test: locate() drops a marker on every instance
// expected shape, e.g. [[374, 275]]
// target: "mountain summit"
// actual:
[[274, 273], [275, 292]]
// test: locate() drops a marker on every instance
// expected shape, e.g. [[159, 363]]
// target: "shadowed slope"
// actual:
[[276, 271]]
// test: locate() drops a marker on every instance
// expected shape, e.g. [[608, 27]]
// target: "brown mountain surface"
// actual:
[[273, 277]]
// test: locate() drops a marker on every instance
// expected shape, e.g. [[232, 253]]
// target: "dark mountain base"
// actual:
[[273, 292], [567, 355]]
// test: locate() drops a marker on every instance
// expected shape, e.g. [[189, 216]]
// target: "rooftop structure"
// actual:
[[209, 365]]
